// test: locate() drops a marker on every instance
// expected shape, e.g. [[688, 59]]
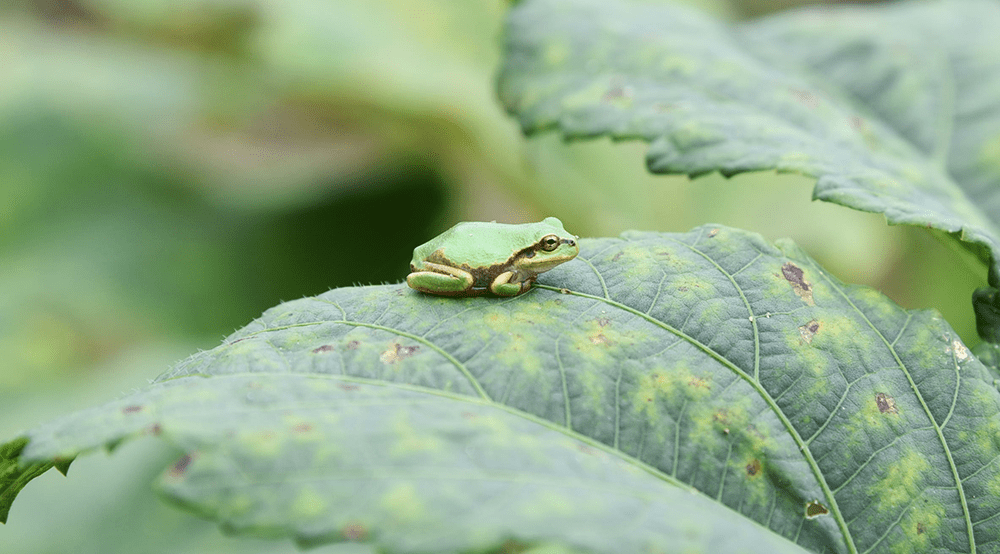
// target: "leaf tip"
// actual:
[[63, 465]]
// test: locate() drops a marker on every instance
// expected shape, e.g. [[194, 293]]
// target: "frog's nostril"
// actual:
[[570, 242]]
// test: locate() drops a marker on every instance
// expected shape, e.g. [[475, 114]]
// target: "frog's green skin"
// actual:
[[476, 259]]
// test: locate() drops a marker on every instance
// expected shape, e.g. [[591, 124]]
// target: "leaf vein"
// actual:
[[831, 500], [920, 397]]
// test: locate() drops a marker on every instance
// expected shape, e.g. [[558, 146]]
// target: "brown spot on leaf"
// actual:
[[352, 345], [324, 348], [131, 409], [586, 449], [237, 340], [354, 531], [618, 255], [469, 415], [346, 387], [921, 528], [712, 233], [599, 339], [618, 93], [603, 321], [753, 468], [805, 97], [154, 430], [698, 382], [795, 277], [886, 404], [809, 330], [405, 351], [815, 509], [857, 123], [181, 465], [397, 352], [302, 428]]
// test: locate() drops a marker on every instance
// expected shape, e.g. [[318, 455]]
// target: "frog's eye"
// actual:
[[549, 243]]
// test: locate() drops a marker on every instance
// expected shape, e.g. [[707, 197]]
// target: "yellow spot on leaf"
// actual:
[[262, 443], [308, 504], [556, 53], [920, 524], [403, 503], [901, 482], [989, 155], [670, 384], [411, 441]]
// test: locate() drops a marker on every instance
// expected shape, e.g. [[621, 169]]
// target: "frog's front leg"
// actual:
[[501, 286], [440, 279]]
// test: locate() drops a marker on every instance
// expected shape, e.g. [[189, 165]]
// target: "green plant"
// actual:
[[706, 390]]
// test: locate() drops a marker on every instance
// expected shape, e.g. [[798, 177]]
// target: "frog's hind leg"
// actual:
[[501, 286], [441, 279]]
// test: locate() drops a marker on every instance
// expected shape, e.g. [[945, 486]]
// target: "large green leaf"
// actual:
[[893, 109], [798, 406]]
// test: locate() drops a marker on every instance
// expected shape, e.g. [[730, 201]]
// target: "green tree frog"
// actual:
[[475, 258]]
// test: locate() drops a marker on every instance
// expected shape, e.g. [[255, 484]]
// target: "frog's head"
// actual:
[[553, 246]]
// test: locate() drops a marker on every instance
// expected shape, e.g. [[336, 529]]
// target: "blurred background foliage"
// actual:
[[172, 168]]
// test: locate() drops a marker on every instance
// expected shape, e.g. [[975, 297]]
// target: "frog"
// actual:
[[476, 258]]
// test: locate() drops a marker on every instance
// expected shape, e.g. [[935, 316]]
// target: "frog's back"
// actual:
[[480, 244]]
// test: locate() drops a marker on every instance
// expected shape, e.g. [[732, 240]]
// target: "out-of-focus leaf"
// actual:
[[12, 477], [820, 411], [893, 109]]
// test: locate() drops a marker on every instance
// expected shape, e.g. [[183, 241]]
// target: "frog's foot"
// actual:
[[440, 279], [501, 286]]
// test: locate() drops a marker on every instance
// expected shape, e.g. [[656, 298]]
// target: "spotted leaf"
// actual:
[[660, 392], [893, 109]]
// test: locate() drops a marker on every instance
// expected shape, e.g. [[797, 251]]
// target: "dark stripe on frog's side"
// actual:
[[482, 276]]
